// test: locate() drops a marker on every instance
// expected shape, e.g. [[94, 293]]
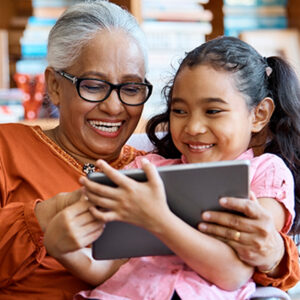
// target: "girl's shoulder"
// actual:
[[269, 160]]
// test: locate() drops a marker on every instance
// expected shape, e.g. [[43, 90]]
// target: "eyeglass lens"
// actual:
[[96, 90]]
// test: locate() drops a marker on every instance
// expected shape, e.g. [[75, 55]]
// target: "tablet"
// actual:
[[190, 189]]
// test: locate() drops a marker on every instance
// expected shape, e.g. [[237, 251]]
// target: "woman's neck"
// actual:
[[54, 136]]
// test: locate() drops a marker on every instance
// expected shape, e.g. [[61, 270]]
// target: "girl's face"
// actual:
[[209, 119]]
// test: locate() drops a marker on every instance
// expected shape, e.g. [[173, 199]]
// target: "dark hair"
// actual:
[[249, 70]]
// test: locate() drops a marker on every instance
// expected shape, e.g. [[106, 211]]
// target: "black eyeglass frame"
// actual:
[[76, 81]]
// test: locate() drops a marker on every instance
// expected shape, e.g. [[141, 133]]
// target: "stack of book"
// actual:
[[254, 14], [11, 105], [35, 36], [172, 27]]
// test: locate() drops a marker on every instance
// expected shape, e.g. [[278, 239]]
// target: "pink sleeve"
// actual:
[[156, 159], [273, 179]]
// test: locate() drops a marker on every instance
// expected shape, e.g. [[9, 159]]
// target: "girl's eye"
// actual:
[[213, 111], [178, 111]]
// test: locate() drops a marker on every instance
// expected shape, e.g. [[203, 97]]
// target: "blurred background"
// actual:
[[172, 27]]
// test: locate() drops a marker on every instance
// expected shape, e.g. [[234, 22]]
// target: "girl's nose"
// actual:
[[112, 105], [195, 126]]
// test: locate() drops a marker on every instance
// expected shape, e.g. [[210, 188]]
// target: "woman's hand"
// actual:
[[72, 228], [254, 236], [139, 203], [47, 209]]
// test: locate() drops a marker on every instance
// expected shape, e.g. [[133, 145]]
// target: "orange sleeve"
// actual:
[[290, 275], [21, 246]]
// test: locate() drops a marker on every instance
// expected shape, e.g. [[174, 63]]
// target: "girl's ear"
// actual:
[[262, 114], [52, 85]]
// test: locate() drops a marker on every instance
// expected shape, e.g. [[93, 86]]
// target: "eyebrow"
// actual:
[[205, 100], [131, 77]]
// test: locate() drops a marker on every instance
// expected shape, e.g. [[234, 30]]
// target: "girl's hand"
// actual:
[[253, 236], [139, 203], [72, 228]]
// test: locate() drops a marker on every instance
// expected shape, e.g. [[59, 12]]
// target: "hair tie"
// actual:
[[268, 68]]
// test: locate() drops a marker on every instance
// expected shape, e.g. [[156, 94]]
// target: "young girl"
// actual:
[[224, 102]]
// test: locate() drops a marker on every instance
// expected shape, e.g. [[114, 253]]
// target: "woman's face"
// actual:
[[99, 130], [209, 119]]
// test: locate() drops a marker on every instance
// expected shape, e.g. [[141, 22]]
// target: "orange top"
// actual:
[[32, 168]]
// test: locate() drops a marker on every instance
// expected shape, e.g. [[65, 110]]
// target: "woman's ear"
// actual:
[[52, 85], [262, 114]]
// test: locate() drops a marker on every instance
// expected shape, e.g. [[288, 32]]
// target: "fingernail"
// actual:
[[145, 161], [223, 200], [202, 226], [206, 216]]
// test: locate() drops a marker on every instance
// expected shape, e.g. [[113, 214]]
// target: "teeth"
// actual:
[[202, 147], [106, 126]]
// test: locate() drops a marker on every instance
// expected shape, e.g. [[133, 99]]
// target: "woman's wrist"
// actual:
[[272, 268]]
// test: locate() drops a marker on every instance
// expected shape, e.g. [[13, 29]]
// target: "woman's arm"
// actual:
[[82, 265], [144, 204], [69, 232], [260, 245]]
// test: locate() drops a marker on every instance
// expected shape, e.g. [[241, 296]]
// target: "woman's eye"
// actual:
[[132, 89], [93, 86]]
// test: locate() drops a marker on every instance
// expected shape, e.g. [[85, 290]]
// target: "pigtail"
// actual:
[[284, 125]]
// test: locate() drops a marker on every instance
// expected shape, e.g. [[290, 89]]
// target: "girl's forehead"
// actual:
[[205, 78], [203, 82]]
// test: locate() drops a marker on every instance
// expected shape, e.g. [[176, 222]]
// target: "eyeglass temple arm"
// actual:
[[68, 76]]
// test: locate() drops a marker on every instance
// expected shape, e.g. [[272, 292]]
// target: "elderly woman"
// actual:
[[97, 79]]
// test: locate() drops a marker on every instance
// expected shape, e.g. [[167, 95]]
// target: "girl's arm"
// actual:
[[144, 204]]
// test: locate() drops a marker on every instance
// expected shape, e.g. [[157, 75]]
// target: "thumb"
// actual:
[[252, 196], [66, 199], [151, 173]]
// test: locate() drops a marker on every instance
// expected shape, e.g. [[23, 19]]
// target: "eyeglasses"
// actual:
[[96, 90]]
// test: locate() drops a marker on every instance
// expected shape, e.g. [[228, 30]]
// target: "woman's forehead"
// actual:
[[111, 52]]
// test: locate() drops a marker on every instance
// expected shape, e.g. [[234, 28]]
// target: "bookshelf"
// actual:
[[13, 20], [170, 31]]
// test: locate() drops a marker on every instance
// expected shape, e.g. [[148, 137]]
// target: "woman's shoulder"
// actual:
[[16, 128], [19, 135]]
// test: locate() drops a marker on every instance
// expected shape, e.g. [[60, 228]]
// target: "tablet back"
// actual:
[[190, 188]]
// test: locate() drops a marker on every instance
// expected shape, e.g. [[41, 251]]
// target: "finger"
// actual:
[[102, 202], [89, 234], [77, 209], [245, 206], [224, 233], [98, 189], [67, 199], [118, 178], [104, 216], [228, 220], [83, 219], [151, 172]]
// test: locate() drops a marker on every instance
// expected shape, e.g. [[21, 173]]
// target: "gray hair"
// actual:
[[81, 22]]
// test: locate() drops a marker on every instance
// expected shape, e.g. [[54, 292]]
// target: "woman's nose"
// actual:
[[112, 105], [195, 126]]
